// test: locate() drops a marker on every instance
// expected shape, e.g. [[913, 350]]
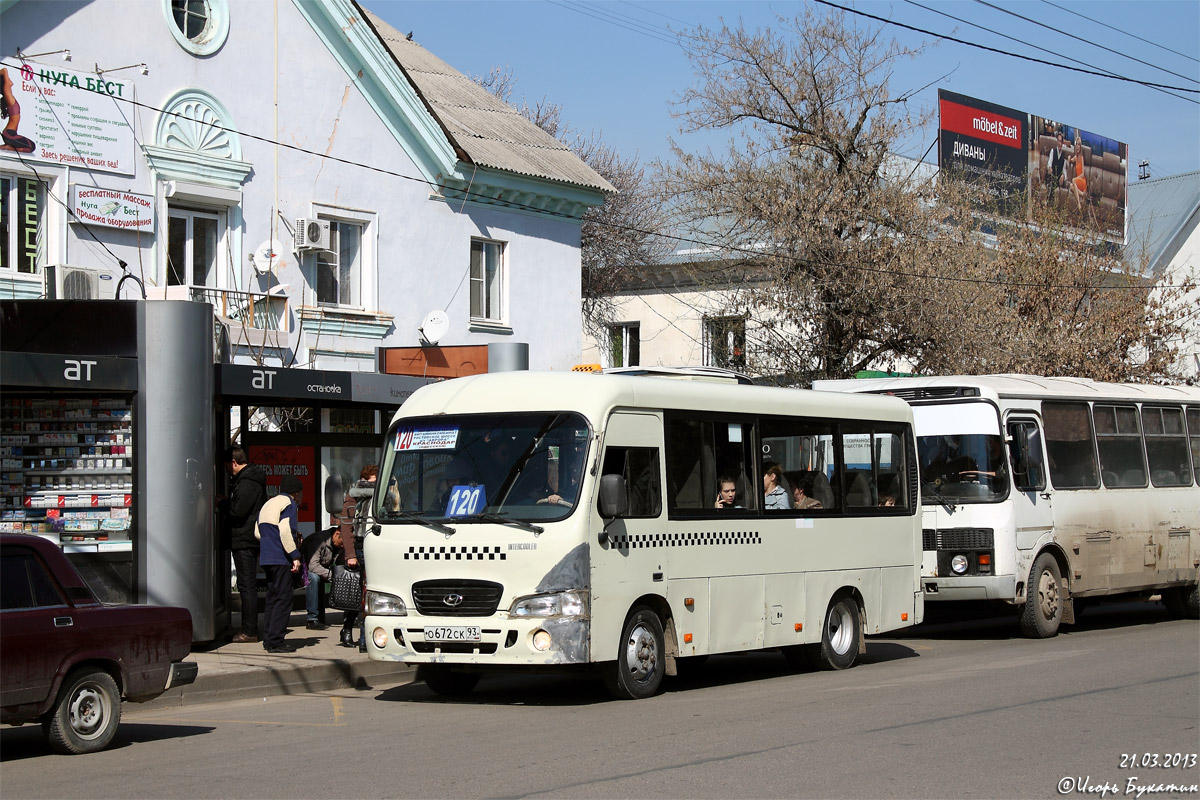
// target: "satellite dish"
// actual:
[[434, 327], [267, 256]]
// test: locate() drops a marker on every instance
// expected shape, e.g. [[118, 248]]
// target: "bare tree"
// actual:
[[849, 259]]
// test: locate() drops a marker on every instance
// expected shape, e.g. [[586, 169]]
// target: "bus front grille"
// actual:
[[958, 539], [456, 598]]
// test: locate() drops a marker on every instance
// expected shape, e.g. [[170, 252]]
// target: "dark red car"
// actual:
[[67, 660]]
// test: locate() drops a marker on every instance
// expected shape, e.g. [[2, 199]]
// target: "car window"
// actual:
[[24, 582]]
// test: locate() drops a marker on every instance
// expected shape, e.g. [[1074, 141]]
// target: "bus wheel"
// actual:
[[1182, 602], [841, 636], [445, 681], [638, 670], [1043, 599]]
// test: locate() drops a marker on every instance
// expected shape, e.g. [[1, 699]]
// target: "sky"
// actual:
[[614, 67]]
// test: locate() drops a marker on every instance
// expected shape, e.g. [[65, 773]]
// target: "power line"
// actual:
[[597, 14], [608, 224], [1030, 44], [886, 21], [1085, 41], [1118, 30]]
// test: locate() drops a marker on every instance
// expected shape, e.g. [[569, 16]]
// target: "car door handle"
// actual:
[[63, 622]]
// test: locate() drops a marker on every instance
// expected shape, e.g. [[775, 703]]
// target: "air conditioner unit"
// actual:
[[68, 282], [312, 234]]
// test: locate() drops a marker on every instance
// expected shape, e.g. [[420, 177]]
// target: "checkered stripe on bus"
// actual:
[[452, 553], [633, 541]]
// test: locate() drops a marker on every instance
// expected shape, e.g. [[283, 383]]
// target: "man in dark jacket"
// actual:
[[247, 495]]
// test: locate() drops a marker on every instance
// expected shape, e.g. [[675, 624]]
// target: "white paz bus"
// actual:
[[1043, 491], [539, 520]]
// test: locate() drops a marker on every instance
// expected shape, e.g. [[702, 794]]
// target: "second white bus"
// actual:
[[1041, 492], [540, 520]]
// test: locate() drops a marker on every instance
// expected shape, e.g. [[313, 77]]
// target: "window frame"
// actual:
[[1107, 439], [713, 328], [751, 446], [189, 213], [1056, 471], [1191, 422], [655, 456], [28, 556], [368, 255], [630, 338], [11, 206], [1153, 441], [499, 316], [213, 35]]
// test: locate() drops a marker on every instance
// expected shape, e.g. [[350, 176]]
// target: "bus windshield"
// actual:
[[483, 468], [963, 468]]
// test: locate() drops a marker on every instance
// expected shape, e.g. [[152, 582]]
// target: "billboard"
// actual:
[[986, 143], [63, 117], [1021, 158]]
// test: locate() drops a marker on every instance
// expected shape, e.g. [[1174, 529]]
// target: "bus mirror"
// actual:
[[613, 501], [334, 494]]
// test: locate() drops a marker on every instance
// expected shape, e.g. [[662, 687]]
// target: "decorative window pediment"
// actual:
[[195, 140]]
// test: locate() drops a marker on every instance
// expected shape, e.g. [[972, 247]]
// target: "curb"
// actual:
[[313, 675]]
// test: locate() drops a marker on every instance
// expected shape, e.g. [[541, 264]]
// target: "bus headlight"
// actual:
[[959, 564], [387, 605], [559, 604]]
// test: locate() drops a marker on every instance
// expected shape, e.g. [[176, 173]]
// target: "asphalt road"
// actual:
[[957, 708]]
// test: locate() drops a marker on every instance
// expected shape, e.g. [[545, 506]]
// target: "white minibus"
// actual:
[[540, 520]]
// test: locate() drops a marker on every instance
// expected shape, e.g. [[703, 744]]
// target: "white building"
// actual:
[[1164, 235], [181, 143]]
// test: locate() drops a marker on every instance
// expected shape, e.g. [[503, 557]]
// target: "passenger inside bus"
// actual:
[[775, 496], [726, 493], [803, 489]]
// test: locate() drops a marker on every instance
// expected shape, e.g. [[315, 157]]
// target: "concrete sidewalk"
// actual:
[[229, 671]]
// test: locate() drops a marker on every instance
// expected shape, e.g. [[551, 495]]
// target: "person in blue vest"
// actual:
[[279, 555]]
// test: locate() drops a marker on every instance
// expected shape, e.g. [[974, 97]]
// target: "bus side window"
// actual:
[[639, 466], [1025, 453]]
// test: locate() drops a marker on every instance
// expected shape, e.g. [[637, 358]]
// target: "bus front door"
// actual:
[[1031, 497]]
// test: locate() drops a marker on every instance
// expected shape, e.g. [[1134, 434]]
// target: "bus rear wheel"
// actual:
[[841, 636], [1182, 602], [1043, 609], [641, 658], [446, 681]]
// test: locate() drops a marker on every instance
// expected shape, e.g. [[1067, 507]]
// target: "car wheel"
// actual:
[[86, 715]]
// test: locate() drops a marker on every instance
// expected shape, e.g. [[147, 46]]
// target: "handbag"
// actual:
[[347, 589]]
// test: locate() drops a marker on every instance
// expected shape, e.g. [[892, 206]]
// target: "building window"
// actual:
[[487, 280], [725, 342], [191, 17], [199, 26], [339, 269], [625, 345], [193, 247], [22, 206]]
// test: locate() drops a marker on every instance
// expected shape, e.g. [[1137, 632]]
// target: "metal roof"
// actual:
[[1031, 386], [484, 130], [1160, 210]]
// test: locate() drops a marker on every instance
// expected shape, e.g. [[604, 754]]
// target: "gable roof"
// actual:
[[1162, 213], [484, 130]]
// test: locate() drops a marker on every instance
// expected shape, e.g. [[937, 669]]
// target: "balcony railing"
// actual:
[[257, 311], [252, 320]]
